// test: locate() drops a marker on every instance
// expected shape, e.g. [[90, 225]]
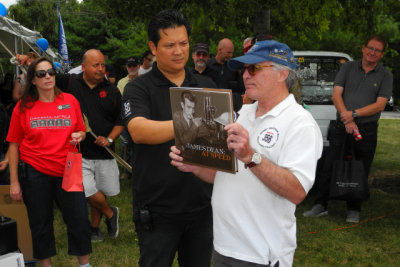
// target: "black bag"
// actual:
[[349, 180], [8, 235]]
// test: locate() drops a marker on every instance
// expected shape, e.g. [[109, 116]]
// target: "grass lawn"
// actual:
[[325, 241]]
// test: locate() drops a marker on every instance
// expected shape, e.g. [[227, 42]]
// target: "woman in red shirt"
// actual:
[[43, 125]]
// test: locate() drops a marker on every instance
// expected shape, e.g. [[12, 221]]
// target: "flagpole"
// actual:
[[62, 42]]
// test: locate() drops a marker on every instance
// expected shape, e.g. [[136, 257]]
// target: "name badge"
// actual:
[[66, 106]]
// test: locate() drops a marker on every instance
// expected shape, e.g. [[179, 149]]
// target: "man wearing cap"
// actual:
[[200, 57], [277, 144], [132, 67]]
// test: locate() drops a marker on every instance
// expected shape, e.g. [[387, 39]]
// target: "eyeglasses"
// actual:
[[374, 49], [42, 73], [252, 69], [149, 59]]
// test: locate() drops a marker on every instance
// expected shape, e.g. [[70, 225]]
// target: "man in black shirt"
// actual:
[[222, 75], [172, 210], [200, 57], [101, 102]]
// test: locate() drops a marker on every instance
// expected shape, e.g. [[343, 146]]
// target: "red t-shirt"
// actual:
[[44, 131]]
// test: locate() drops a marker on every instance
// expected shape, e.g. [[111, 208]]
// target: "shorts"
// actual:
[[100, 175]]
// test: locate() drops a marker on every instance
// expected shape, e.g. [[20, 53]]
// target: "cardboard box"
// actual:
[[12, 260], [16, 210]]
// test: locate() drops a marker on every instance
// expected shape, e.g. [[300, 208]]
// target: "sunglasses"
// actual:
[[42, 73], [130, 65], [252, 69]]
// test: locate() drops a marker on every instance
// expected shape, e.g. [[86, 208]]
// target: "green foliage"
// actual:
[[324, 241], [119, 26]]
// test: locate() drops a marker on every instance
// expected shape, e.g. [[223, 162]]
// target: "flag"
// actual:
[[62, 42]]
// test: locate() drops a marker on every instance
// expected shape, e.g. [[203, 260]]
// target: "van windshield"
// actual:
[[317, 75]]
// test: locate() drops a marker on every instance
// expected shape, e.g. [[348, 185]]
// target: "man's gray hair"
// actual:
[[291, 78], [246, 40]]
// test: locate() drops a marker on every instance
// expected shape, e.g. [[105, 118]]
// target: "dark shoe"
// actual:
[[316, 211], [353, 216], [112, 223], [95, 235]]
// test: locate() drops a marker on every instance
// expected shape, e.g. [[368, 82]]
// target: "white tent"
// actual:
[[15, 38]]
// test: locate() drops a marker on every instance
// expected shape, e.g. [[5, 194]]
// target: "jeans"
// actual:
[[364, 150], [191, 237], [39, 192]]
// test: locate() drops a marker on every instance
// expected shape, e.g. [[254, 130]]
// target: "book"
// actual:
[[199, 117]]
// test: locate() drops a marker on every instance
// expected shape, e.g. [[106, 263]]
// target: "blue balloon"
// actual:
[[57, 65], [3, 10], [42, 44]]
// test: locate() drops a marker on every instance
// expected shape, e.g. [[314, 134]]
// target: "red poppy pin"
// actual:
[[103, 94]]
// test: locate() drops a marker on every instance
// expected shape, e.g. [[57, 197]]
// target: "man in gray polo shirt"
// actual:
[[361, 91]]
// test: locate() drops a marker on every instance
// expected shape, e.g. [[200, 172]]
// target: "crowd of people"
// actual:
[[200, 214]]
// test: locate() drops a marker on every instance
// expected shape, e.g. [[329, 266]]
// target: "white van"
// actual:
[[317, 71]]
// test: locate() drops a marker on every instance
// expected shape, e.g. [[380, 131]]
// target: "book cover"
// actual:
[[199, 117]]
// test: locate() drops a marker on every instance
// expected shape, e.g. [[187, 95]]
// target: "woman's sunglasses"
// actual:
[[252, 69], [42, 73]]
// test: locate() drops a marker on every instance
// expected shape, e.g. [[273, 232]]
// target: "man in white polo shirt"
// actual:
[[277, 143]]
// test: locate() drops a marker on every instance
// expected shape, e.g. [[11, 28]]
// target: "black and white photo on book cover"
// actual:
[[199, 117]]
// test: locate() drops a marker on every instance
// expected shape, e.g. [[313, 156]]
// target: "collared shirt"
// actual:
[[101, 105], [143, 71], [157, 184], [251, 222], [362, 89]]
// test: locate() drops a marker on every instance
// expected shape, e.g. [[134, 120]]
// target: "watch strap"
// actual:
[[249, 165], [255, 160]]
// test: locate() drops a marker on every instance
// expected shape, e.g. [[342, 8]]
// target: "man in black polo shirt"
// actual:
[[172, 210], [222, 75], [362, 89], [101, 103]]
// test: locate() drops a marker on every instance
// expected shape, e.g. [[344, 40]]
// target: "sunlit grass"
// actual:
[[375, 242]]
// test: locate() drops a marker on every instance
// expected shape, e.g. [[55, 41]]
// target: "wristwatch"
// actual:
[[110, 140], [355, 114], [255, 160]]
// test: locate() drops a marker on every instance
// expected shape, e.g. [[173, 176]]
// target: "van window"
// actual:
[[317, 75]]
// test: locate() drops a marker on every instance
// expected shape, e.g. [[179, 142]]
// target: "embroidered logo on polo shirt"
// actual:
[[268, 137], [127, 109], [103, 94]]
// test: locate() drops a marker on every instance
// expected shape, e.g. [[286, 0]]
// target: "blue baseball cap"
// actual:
[[267, 50]]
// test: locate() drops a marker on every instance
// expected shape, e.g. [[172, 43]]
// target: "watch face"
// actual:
[[256, 158]]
